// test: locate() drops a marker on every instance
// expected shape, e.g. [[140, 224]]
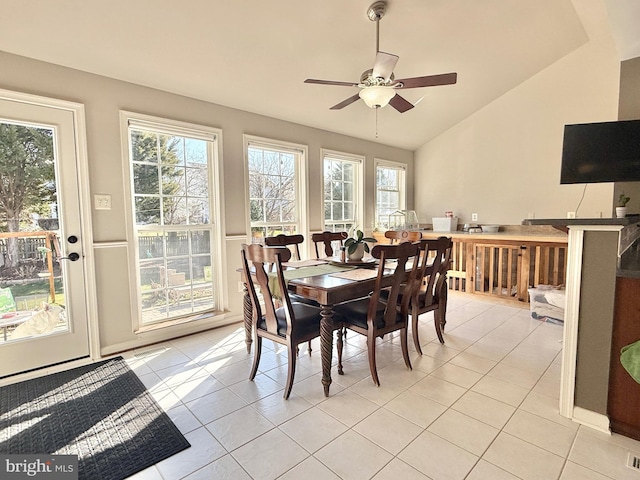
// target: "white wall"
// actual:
[[103, 98], [503, 162]]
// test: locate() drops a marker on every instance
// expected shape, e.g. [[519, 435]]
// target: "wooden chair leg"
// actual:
[[309, 347], [405, 349], [414, 332], [437, 322], [371, 347], [443, 308], [256, 357], [291, 371], [340, 345]]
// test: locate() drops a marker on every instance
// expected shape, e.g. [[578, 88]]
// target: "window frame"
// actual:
[[358, 185], [301, 178], [402, 189], [215, 225]]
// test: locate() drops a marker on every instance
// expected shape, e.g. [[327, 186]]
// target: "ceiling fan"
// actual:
[[378, 85]]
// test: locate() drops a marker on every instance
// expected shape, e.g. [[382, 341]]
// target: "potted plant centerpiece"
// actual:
[[356, 245], [621, 206]]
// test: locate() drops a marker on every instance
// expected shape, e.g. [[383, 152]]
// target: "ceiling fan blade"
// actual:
[[330, 82], [385, 63], [429, 80], [346, 102], [400, 104]]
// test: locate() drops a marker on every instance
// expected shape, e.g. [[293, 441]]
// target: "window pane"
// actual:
[[201, 242], [348, 211], [145, 179], [337, 211], [257, 210], [176, 243], [144, 147], [348, 172], [198, 211], [150, 245], [195, 152], [171, 150], [174, 211], [197, 182], [172, 181], [147, 210]]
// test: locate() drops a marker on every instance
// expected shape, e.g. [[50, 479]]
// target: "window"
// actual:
[[274, 173], [390, 191], [342, 180], [172, 173]]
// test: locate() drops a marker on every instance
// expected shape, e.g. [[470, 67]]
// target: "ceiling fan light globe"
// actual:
[[377, 96]]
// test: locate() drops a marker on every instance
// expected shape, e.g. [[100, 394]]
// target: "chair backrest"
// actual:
[[283, 240], [402, 285], [256, 260], [435, 261], [397, 236], [326, 238]]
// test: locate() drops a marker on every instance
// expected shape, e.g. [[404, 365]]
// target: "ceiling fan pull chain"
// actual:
[[376, 109]]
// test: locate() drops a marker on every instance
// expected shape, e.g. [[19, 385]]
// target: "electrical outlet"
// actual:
[[571, 214], [474, 217], [531, 215], [102, 202]]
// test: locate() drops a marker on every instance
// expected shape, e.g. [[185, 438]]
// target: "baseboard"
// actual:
[[590, 419], [169, 333]]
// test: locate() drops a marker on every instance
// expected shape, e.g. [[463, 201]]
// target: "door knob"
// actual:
[[73, 256]]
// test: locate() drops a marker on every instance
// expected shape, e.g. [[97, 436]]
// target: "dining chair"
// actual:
[[375, 316], [283, 240], [432, 295], [291, 324], [397, 236], [327, 239]]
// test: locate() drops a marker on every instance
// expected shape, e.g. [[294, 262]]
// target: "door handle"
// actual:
[[73, 256]]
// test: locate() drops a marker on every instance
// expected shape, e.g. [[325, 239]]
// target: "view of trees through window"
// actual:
[[272, 191], [389, 193], [340, 193], [30, 270], [171, 196]]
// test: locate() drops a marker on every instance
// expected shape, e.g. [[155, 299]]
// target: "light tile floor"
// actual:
[[482, 406]]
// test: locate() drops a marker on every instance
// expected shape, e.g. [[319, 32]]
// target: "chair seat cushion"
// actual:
[[307, 320], [355, 313]]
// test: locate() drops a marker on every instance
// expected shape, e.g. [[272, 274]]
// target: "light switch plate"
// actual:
[[102, 202]]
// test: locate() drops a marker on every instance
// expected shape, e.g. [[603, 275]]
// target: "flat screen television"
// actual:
[[601, 152]]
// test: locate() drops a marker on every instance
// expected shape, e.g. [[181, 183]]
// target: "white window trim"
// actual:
[[164, 125], [403, 197], [302, 173], [359, 182]]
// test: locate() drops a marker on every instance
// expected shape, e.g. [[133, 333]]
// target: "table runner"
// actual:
[[302, 273]]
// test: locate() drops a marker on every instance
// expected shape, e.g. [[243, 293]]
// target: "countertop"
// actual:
[[536, 237], [564, 223], [629, 262]]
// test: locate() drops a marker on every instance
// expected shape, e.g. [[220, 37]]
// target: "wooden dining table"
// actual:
[[328, 290]]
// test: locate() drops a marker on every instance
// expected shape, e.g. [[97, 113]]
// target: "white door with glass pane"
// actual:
[[43, 306], [172, 172]]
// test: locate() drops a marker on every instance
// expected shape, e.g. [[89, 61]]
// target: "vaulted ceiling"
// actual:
[[254, 55]]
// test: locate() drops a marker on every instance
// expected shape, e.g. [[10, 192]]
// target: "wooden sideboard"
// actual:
[[505, 264]]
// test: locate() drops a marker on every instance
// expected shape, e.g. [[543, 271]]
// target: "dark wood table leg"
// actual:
[[339, 335], [248, 319], [326, 345]]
